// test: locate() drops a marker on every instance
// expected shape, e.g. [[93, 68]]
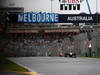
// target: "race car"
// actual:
[[70, 54]]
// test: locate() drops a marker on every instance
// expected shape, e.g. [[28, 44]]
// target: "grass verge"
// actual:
[[7, 65], [91, 57]]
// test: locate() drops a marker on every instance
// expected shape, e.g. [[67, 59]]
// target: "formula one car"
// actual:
[[70, 54]]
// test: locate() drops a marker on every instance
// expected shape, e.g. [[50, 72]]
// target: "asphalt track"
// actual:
[[60, 65]]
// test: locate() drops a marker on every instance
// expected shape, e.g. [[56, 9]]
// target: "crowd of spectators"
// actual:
[[35, 45], [46, 45]]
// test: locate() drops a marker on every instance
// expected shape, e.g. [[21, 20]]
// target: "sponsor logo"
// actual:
[[70, 4]]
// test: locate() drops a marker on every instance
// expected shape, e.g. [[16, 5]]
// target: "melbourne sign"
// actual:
[[40, 17], [43, 17]]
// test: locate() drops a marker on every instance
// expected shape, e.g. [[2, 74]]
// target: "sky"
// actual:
[[45, 6]]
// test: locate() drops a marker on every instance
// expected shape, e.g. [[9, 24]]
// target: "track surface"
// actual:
[[60, 65]]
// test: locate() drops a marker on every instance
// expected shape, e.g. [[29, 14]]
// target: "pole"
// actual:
[[88, 6], [51, 5], [96, 5], [97, 11]]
